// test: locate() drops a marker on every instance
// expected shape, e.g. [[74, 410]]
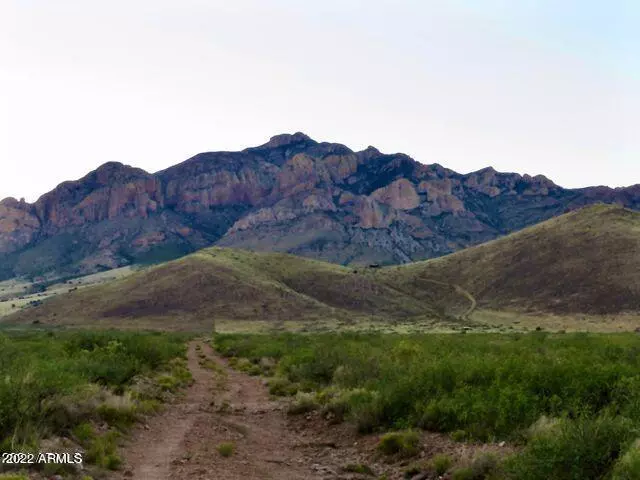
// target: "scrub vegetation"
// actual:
[[569, 403], [80, 391]]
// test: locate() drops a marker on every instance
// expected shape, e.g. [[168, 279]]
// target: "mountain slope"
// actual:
[[587, 261], [583, 262], [292, 194]]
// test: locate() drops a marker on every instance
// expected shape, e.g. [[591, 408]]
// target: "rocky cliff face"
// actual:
[[291, 194]]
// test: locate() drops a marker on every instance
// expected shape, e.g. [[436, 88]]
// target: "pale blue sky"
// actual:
[[549, 87]]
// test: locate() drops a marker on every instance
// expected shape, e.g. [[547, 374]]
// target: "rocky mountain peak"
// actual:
[[11, 202], [286, 139], [110, 172]]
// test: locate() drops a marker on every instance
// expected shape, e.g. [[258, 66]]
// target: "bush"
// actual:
[[484, 466], [226, 449], [101, 450], [488, 385], [463, 473], [441, 463], [563, 396], [282, 387], [628, 466], [581, 448], [403, 444], [303, 403], [59, 383]]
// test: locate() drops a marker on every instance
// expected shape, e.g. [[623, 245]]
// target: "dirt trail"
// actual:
[[458, 289], [151, 449], [224, 405], [221, 406], [242, 414], [472, 300]]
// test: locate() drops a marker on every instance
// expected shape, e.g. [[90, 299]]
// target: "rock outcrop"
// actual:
[[19, 224], [291, 194]]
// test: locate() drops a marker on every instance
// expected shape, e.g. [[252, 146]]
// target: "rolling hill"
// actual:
[[586, 261], [583, 262], [228, 284]]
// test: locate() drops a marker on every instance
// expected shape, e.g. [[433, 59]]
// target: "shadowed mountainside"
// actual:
[[292, 194]]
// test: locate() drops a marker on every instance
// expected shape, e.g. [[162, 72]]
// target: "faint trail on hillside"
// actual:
[[465, 293], [472, 299]]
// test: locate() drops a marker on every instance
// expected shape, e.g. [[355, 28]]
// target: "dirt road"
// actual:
[[226, 406], [221, 406]]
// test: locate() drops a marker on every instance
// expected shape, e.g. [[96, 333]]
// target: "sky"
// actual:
[[541, 87]]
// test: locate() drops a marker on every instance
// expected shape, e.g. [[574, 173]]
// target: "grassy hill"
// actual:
[[224, 284], [586, 261]]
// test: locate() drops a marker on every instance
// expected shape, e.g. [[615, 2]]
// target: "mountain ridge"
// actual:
[[291, 194]]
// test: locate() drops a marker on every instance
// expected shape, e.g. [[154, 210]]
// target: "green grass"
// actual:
[[61, 384], [481, 387]]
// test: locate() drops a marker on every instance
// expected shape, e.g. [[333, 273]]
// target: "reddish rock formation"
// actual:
[[290, 194], [18, 224]]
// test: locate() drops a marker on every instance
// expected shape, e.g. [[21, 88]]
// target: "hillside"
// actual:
[[587, 261], [292, 194], [584, 262], [222, 284]]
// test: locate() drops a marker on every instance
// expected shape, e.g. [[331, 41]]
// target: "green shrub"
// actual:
[[282, 387], [402, 444], [489, 385], [243, 364], [441, 463], [581, 448], [226, 449], [84, 433], [628, 466], [303, 403], [359, 405], [583, 390], [102, 451], [484, 466], [59, 382], [120, 412]]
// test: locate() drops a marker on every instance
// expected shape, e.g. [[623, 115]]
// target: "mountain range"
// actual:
[[292, 194]]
